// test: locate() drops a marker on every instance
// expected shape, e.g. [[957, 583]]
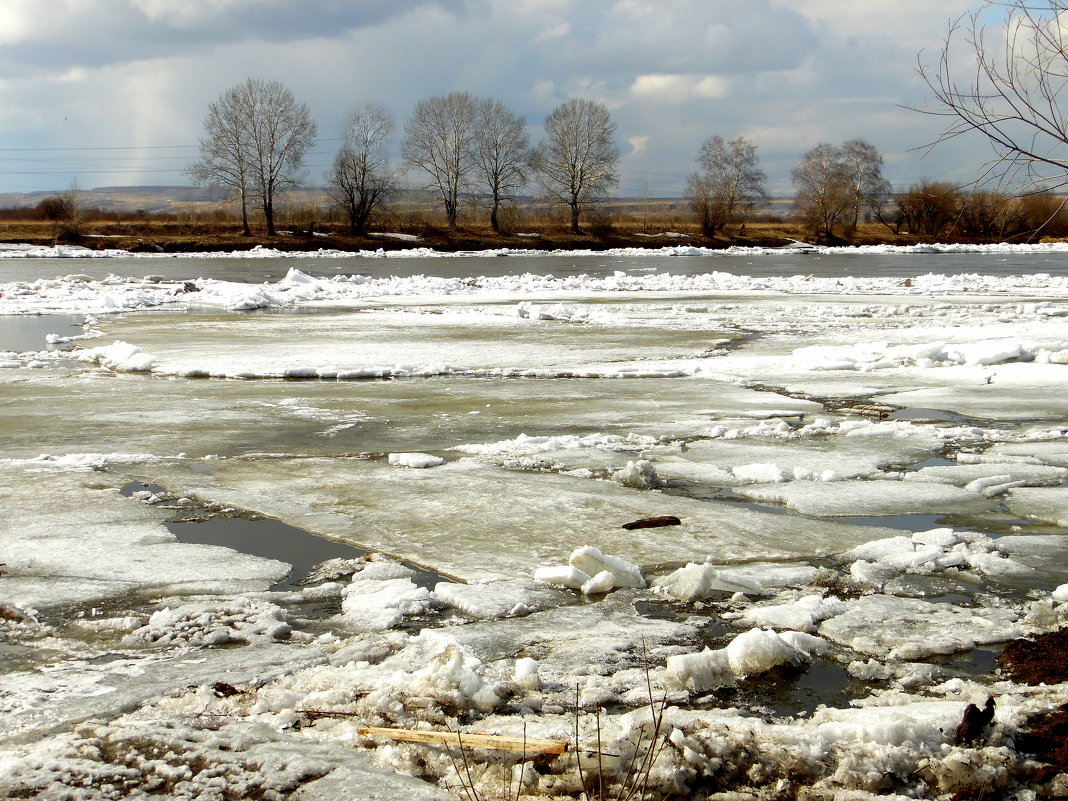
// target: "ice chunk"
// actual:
[[929, 552], [806, 643], [689, 583], [729, 581], [888, 627], [1060, 595], [526, 673], [592, 561], [372, 604], [942, 537], [696, 581], [700, 672], [801, 615], [416, 460], [497, 599], [821, 450], [400, 511], [758, 651], [599, 583], [639, 475], [1050, 452], [452, 678], [997, 565], [878, 549], [758, 473], [562, 576], [95, 544], [122, 357], [381, 570], [872, 573], [213, 623]]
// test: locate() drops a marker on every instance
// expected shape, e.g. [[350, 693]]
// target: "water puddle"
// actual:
[[934, 461], [920, 415], [912, 522], [783, 692], [972, 664], [265, 537]]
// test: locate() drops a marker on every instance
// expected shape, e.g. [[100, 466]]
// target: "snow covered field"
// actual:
[[869, 471]]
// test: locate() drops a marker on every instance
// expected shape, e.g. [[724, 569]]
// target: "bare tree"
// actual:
[[361, 177], [729, 184], [868, 189], [501, 153], [282, 132], [576, 161], [438, 138], [224, 152], [835, 184], [255, 138], [823, 191], [1011, 92]]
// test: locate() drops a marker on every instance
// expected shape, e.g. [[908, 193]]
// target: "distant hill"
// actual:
[[176, 200], [125, 199]]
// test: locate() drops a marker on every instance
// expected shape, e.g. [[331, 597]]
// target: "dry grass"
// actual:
[[200, 226]]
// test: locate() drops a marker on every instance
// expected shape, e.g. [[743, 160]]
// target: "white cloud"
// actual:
[[638, 145], [678, 88], [16, 19]]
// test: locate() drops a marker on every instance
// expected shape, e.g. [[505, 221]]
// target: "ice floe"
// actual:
[[877, 497]]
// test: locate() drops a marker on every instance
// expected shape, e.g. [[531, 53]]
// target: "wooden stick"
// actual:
[[497, 742]]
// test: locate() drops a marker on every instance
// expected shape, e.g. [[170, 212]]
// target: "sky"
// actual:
[[114, 92]]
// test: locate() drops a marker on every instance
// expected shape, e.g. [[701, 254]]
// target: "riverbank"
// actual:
[[177, 236]]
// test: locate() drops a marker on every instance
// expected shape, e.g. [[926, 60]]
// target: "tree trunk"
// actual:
[[494, 223], [268, 216], [575, 219], [245, 230]]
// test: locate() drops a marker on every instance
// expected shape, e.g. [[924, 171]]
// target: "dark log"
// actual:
[[653, 522]]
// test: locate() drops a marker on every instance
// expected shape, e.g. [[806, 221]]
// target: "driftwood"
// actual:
[[653, 522], [497, 742]]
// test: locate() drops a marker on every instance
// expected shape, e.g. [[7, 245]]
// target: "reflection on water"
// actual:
[[25, 333]]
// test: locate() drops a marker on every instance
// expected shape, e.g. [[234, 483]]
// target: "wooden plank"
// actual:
[[497, 742]]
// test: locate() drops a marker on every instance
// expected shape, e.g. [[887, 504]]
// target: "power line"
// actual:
[[118, 147]]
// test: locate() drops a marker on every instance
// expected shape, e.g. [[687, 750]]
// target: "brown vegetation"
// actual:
[[199, 227]]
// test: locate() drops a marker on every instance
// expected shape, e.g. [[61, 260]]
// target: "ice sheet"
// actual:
[[410, 513], [1040, 503], [888, 627], [866, 452], [373, 344], [102, 545], [874, 498]]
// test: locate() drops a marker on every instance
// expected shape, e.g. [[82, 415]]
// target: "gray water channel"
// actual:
[[258, 270]]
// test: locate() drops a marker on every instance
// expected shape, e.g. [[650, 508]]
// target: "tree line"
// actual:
[[257, 134]]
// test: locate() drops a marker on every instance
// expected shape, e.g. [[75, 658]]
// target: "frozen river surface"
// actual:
[[866, 453]]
